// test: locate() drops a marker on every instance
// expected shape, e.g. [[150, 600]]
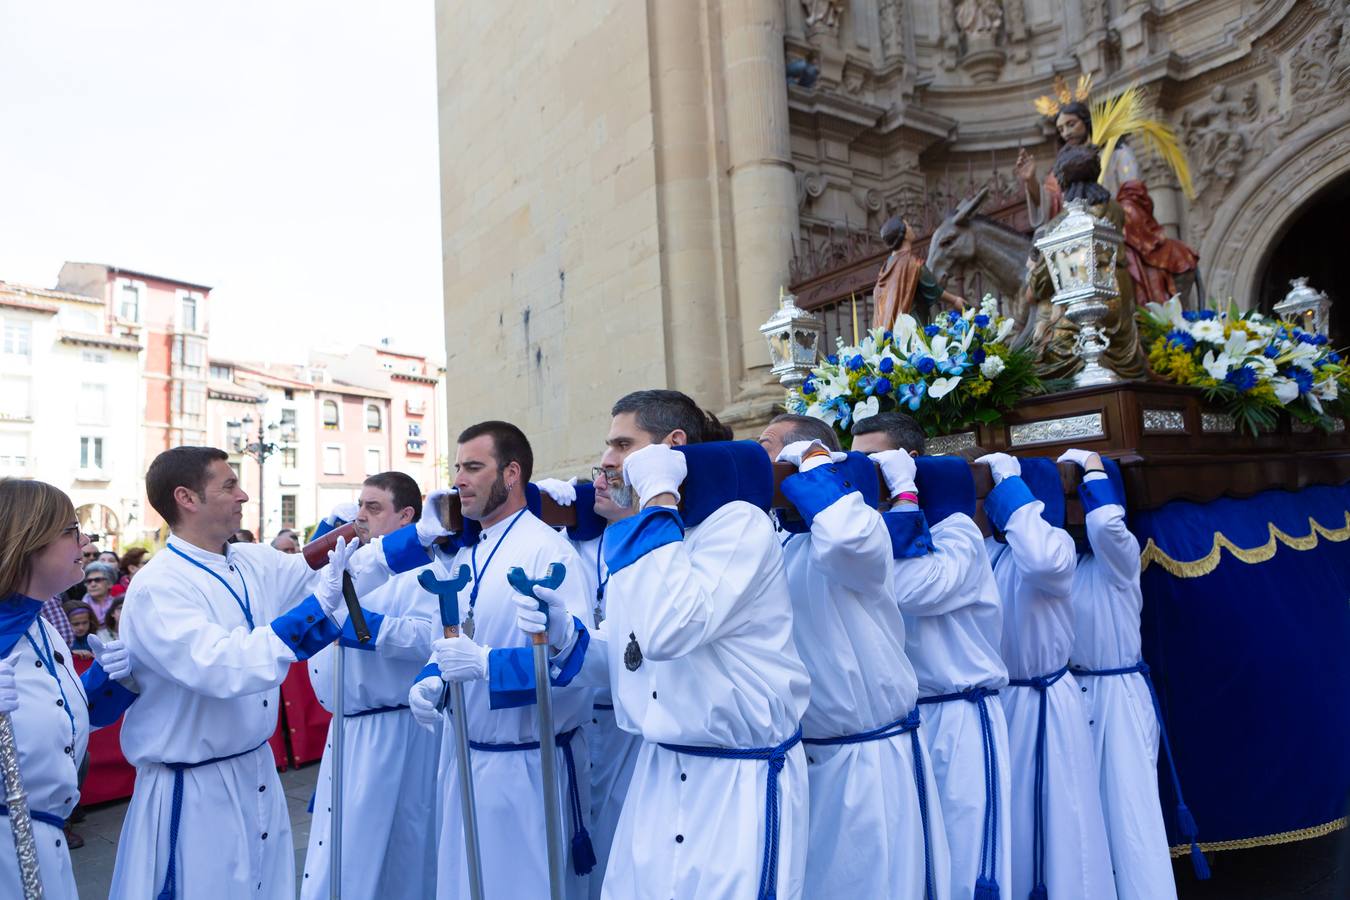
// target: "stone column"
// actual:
[[763, 186]]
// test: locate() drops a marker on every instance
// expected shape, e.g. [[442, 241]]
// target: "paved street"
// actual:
[[1304, 871]]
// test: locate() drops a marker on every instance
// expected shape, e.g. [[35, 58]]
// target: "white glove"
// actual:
[[343, 512], [424, 698], [899, 470], [430, 527], [9, 689], [329, 588], [558, 620], [460, 659], [113, 656], [1001, 465], [563, 493], [796, 451], [654, 470], [1080, 457]]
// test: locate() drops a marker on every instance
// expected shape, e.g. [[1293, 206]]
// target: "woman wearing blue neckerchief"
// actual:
[[51, 708]]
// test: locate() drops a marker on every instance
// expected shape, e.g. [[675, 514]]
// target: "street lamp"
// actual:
[[236, 431]]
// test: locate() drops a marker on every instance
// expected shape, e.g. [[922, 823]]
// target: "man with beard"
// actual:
[[698, 653], [873, 795], [492, 658], [945, 588], [389, 818]]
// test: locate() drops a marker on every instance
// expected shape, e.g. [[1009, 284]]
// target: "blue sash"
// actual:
[[1041, 685], [170, 889], [376, 711], [986, 880], [583, 854], [908, 723], [776, 757], [46, 818], [1185, 821]]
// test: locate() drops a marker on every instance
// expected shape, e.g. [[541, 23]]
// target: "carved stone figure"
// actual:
[[822, 15], [1217, 134], [979, 17]]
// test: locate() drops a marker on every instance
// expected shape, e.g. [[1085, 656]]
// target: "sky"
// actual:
[[281, 151]]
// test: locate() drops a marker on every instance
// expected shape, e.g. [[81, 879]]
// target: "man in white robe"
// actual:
[[493, 659], [389, 762], [944, 585], [698, 652], [876, 825], [1059, 844], [614, 751], [213, 628], [1106, 657]]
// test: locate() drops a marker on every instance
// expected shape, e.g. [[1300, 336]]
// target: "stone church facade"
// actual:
[[627, 184]]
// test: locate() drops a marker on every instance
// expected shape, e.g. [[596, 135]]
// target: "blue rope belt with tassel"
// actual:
[[909, 723], [583, 854], [46, 818], [986, 880], [170, 889], [1041, 685], [1185, 821], [776, 757]]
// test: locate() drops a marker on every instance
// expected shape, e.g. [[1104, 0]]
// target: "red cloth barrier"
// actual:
[[302, 719]]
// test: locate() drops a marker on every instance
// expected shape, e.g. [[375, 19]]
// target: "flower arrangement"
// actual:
[[1251, 366], [950, 375]]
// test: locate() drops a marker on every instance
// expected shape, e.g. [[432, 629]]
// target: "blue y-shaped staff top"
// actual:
[[447, 592], [516, 577]]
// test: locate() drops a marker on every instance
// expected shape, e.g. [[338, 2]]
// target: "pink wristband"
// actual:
[[906, 497]]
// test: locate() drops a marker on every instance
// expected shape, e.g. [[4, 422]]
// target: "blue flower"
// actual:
[[1180, 338], [977, 355], [887, 365], [1207, 314], [1303, 377], [1244, 379], [855, 363], [887, 336], [959, 326], [832, 359], [931, 330], [808, 387], [924, 364], [1320, 340], [1191, 315], [981, 321], [910, 395], [1333, 356], [1305, 338], [953, 316], [883, 386], [1271, 351], [954, 365]]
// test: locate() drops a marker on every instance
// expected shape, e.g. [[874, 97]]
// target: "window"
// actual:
[[188, 310], [93, 405], [189, 356], [414, 429], [15, 391], [129, 309], [234, 467], [330, 414], [288, 431], [91, 453], [373, 466], [289, 458], [287, 510], [189, 402], [96, 357], [13, 452], [289, 394], [18, 337], [332, 459], [373, 418], [221, 373]]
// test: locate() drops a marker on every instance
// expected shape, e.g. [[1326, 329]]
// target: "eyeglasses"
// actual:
[[610, 474], [97, 579]]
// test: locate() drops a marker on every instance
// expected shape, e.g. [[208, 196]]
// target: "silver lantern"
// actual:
[[793, 335], [1080, 254], [1306, 307]]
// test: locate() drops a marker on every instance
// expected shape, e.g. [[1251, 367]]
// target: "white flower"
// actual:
[[939, 347], [865, 409], [1210, 330], [989, 306], [991, 367], [1286, 389], [1004, 329], [1216, 367], [1265, 368], [1259, 328], [1171, 311], [1327, 389], [941, 387], [826, 415]]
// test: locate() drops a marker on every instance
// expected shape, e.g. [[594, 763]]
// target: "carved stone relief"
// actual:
[[822, 15], [891, 21], [1218, 136]]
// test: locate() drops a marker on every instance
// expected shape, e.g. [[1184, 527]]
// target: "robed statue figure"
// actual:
[[903, 279]]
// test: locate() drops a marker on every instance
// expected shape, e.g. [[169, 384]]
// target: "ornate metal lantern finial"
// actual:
[[793, 335], [1080, 254], [1306, 306]]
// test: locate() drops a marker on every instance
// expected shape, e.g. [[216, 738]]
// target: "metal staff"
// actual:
[[358, 620], [448, 594], [20, 822], [543, 694]]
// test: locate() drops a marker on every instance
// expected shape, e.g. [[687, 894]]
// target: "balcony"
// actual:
[[417, 407]]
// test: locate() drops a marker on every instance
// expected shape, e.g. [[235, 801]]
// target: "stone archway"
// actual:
[[102, 524], [1311, 247], [1260, 209]]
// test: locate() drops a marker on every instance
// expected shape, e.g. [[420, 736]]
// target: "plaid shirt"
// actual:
[[55, 614]]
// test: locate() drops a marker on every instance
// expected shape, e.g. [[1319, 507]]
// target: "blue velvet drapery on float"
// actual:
[[1246, 626]]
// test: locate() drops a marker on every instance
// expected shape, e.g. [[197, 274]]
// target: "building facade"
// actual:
[[627, 220]]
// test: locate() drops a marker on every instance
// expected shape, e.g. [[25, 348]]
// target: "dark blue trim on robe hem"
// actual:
[[403, 552], [815, 490], [633, 538], [908, 529], [305, 629], [107, 698], [1007, 497], [511, 671], [373, 621], [1099, 492]]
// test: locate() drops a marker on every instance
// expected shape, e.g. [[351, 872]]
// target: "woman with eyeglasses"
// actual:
[[51, 708]]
